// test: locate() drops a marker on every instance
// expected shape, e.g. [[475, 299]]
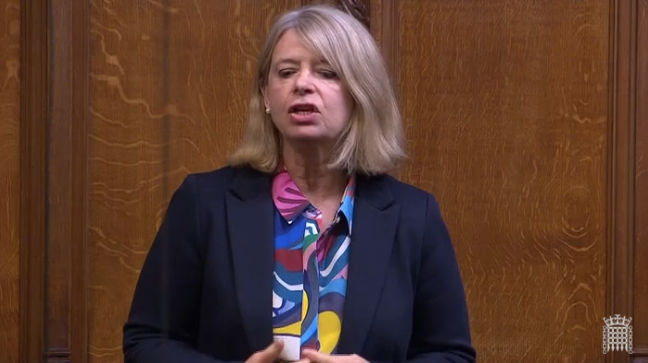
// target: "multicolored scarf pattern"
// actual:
[[311, 266]]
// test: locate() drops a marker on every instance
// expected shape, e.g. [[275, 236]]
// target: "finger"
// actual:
[[271, 352], [316, 356], [274, 349]]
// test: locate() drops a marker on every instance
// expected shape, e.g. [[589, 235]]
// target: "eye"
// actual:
[[286, 72], [328, 74]]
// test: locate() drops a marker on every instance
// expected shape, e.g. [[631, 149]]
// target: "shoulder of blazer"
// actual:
[[242, 181], [378, 186]]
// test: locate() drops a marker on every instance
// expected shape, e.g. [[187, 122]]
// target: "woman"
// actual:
[[303, 248]]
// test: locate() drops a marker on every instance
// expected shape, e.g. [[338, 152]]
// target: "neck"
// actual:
[[309, 170]]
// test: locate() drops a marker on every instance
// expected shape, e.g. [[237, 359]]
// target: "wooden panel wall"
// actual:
[[527, 119], [9, 178], [506, 106]]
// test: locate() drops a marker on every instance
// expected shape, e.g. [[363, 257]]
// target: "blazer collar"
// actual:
[[248, 183], [375, 222], [251, 231]]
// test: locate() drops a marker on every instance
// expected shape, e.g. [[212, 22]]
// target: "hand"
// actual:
[[268, 355], [315, 356]]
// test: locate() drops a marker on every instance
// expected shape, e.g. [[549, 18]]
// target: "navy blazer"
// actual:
[[205, 291]]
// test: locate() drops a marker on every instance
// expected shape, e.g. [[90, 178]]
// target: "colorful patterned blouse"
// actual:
[[310, 273]]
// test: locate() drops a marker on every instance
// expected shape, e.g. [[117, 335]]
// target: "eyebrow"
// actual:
[[296, 62], [287, 60]]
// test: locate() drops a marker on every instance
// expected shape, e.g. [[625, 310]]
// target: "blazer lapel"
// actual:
[[374, 229], [251, 231]]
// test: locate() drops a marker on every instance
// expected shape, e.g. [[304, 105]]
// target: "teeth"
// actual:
[[303, 109]]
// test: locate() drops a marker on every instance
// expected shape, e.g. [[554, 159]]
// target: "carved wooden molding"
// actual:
[[67, 233], [640, 292], [80, 101], [53, 323], [621, 162], [386, 29], [33, 176]]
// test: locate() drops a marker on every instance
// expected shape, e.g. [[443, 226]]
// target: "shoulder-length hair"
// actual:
[[373, 141]]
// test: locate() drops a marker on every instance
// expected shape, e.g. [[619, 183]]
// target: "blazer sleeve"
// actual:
[[441, 332], [163, 320]]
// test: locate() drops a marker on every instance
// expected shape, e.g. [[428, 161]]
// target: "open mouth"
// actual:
[[303, 109]]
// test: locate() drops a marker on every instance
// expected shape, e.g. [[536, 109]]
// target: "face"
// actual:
[[306, 98]]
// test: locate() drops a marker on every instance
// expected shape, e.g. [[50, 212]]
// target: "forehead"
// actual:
[[291, 46]]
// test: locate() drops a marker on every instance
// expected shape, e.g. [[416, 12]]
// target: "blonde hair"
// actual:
[[373, 141]]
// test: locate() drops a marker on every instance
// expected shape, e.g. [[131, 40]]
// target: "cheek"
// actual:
[[347, 105], [273, 93]]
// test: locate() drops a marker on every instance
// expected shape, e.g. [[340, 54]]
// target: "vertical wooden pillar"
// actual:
[[33, 177], [621, 162], [66, 323], [640, 291], [384, 27], [54, 74]]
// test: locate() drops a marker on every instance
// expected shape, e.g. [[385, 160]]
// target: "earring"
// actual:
[[267, 110]]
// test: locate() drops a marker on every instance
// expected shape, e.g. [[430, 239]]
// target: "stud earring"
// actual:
[[267, 110]]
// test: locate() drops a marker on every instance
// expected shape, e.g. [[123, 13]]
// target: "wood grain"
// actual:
[[169, 88], [505, 105], [9, 179]]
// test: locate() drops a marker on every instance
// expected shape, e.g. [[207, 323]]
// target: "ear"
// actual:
[[266, 100]]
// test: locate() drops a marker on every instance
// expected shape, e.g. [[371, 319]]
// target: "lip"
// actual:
[[296, 107], [303, 118], [303, 112]]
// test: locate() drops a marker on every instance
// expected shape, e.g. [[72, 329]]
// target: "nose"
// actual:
[[304, 83]]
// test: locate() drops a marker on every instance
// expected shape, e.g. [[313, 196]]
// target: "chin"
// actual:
[[307, 137]]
